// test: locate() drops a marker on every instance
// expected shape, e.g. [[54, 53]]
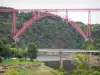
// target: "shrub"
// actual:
[[32, 51], [21, 60], [0, 59]]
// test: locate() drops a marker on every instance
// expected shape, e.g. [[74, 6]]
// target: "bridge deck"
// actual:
[[67, 50]]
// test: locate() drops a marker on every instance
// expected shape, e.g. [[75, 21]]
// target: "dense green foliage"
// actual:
[[83, 66], [8, 51], [4, 48], [32, 51]]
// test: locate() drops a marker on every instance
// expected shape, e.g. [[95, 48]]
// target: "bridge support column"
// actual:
[[14, 27], [66, 15], [35, 14], [61, 60], [90, 62], [89, 25]]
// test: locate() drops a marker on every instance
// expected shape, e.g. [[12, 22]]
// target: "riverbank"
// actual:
[[16, 67]]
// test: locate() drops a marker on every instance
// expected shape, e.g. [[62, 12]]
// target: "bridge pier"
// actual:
[[61, 60], [90, 60]]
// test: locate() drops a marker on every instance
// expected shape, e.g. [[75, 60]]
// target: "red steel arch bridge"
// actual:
[[41, 13]]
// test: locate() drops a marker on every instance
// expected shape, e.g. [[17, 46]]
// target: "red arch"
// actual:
[[42, 15]]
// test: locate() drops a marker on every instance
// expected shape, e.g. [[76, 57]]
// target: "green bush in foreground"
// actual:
[[32, 51], [83, 67]]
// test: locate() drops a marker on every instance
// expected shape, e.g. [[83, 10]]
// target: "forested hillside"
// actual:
[[49, 32]]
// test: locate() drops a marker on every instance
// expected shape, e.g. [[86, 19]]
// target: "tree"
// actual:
[[13, 45], [61, 71], [0, 59], [24, 53], [90, 47], [1, 47], [32, 51], [4, 47], [14, 52], [96, 43], [4, 40], [6, 51], [82, 65]]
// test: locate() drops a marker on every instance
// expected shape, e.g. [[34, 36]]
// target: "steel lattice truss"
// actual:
[[41, 13]]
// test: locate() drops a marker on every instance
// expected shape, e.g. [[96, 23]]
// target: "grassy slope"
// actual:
[[33, 71], [14, 62], [43, 70]]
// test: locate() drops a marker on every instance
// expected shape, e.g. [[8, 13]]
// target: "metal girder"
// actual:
[[45, 11], [89, 25], [14, 26], [28, 23], [77, 28], [32, 20], [51, 10]]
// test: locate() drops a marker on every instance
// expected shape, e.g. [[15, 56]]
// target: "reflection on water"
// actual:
[[68, 66], [53, 62]]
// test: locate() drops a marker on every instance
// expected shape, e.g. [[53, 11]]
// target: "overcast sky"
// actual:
[[58, 4]]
